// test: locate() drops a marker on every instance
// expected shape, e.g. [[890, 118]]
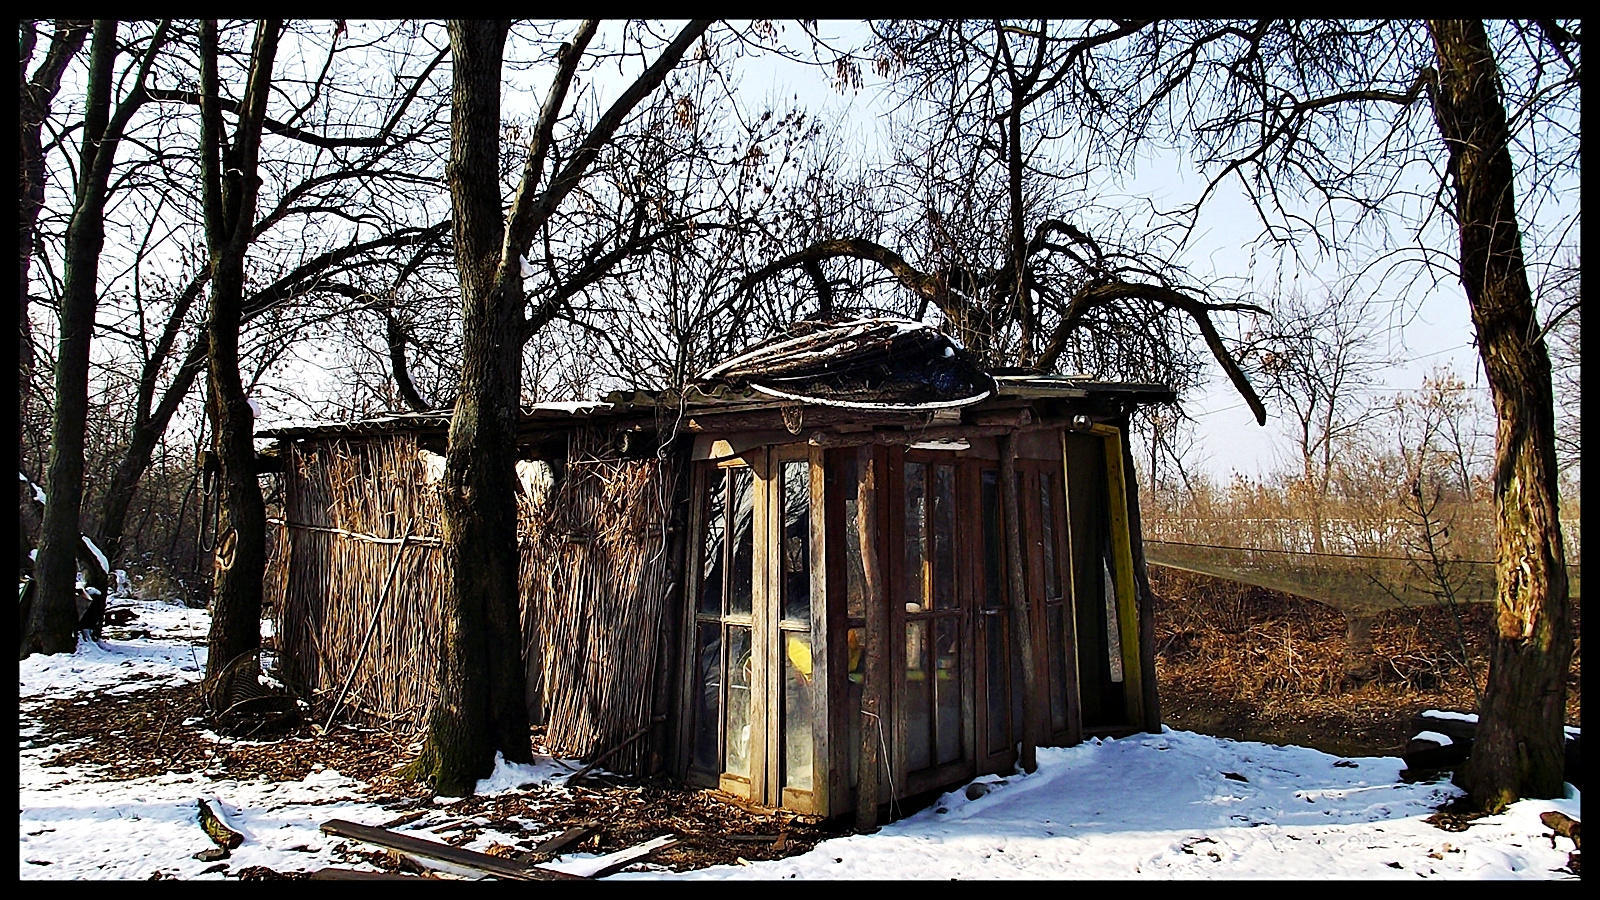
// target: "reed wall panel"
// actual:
[[593, 581]]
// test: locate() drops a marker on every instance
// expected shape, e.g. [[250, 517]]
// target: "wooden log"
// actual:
[[1564, 825], [873, 676], [460, 856], [1021, 616]]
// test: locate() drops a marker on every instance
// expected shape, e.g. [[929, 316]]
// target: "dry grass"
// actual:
[[1247, 662]]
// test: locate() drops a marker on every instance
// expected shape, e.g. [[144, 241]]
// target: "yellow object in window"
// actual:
[[800, 657]]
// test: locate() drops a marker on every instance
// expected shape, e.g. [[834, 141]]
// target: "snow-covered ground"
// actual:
[[1174, 805]]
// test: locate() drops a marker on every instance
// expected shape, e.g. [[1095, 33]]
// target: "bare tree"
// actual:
[[228, 166], [481, 705], [1315, 118], [998, 238], [1323, 356], [52, 621], [37, 92]]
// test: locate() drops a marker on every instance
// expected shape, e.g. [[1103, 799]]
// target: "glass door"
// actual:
[[927, 589], [755, 689]]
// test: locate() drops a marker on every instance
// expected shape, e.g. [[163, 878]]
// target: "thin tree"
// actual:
[[37, 91], [481, 707], [1323, 357], [52, 621]]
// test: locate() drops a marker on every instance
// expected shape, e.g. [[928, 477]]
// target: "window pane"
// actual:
[[993, 596], [919, 697], [914, 590], [849, 484], [743, 541], [736, 760], [1047, 511], [707, 698], [797, 686], [999, 728], [711, 551], [797, 540], [1055, 618], [947, 688], [944, 537]]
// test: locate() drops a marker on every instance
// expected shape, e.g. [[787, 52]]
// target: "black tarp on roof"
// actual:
[[864, 363]]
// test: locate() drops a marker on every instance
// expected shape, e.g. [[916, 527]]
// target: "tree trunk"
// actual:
[[239, 563], [32, 109], [1520, 745], [481, 706], [53, 619]]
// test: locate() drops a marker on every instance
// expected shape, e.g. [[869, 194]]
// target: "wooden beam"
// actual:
[[1127, 606], [873, 674], [830, 439], [1016, 587], [459, 856], [1146, 602]]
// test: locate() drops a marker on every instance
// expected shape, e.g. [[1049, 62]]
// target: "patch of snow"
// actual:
[[536, 479], [98, 556], [1147, 806], [1446, 714], [432, 466], [1443, 740]]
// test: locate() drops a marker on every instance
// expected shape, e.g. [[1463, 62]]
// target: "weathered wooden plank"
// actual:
[[872, 641], [1122, 549], [332, 873], [1016, 590], [554, 846], [613, 863], [460, 856]]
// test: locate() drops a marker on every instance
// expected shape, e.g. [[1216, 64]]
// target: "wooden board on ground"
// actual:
[[460, 856]]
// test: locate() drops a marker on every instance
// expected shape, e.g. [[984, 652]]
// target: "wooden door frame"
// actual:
[[1125, 590]]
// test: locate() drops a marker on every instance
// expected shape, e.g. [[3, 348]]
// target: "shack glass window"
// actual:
[[932, 617], [721, 705], [795, 625]]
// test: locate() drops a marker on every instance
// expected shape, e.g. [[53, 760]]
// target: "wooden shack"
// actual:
[[796, 590]]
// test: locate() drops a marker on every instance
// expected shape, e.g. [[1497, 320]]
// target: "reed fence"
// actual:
[[593, 581]]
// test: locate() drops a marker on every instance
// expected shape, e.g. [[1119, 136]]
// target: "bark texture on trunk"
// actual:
[[53, 617], [1520, 746], [481, 706], [33, 107], [239, 561]]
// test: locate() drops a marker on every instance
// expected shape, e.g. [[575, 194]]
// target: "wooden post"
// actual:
[[1016, 588], [873, 679]]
